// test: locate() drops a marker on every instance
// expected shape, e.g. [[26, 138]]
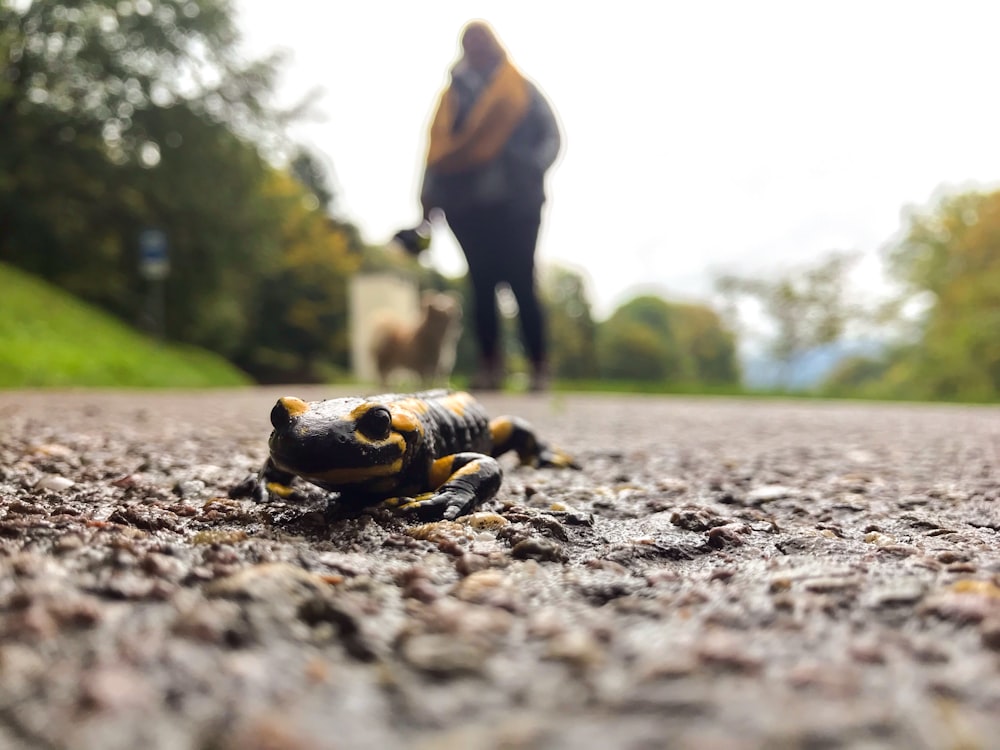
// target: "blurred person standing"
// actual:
[[492, 138]]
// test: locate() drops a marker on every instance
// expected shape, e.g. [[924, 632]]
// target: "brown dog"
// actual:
[[427, 348]]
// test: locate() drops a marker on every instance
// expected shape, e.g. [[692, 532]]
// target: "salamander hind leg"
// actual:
[[462, 482], [514, 434]]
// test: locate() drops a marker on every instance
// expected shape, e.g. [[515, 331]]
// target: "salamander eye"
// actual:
[[375, 423]]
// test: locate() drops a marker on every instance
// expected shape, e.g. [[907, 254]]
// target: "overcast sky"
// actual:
[[699, 136]]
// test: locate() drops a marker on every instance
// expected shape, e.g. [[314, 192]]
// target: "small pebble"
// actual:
[[190, 488], [267, 582], [539, 548], [220, 536], [53, 483], [469, 563], [831, 680], [962, 567], [728, 653], [272, 732], [879, 539], [68, 543], [577, 648], [779, 584], [989, 631], [966, 601], [729, 535], [444, 655], [441, 533], [485, 520], [900, 594], [948, 557], [489, 587], [667, 667], [420, 589], [831, 585], [695, 518], [116, 689], [770, 493]]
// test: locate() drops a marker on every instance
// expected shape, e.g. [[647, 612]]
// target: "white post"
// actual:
[[373, 295]]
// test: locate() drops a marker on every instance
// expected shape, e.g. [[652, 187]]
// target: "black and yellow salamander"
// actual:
[[431, 453]]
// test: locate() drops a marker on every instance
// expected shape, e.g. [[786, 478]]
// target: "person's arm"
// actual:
[[549, 140], [426, 195]]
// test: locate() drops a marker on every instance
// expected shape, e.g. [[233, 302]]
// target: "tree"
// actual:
[[857, 376], [806, 307], [649, 338], [950, 256], [308, 170], [571, 327], [712, 348], [118, 116], [300, 321], [92, 65], [638, 342]]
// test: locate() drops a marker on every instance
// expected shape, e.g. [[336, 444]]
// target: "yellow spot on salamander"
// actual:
[[281, 490], [470, 468], [404, 422], [294, 406], [456, 403], [356, 474], [501, 429], [414, 405], [440, 471]]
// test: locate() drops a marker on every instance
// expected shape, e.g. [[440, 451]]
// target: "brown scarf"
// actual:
[[490, 123]]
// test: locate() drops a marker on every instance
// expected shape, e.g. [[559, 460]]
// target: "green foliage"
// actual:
[[950, 254], [49, 338], [638, 342], [711, 347], [571, 327], [808, 307], [857, 376], [109, 126], [300, 314], [93, 65], [121, 116], [648, 338], [309, 171]]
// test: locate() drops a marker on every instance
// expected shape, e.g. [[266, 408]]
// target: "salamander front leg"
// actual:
[[463, 481], [269, 480]]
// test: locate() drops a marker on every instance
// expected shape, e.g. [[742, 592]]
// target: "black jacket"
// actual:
[[515, 177]]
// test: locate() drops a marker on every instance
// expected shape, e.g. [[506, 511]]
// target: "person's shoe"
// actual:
[[486, 380], [540, 380], [489, 377]]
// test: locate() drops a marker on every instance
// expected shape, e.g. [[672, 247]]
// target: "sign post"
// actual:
[[154, 267]]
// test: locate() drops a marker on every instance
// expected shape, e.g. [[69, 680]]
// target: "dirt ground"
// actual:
[[721, 574]]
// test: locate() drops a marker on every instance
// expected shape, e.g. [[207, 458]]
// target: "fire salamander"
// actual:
[[432, 453]]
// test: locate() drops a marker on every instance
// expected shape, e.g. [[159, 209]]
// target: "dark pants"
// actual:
[[499, 246]]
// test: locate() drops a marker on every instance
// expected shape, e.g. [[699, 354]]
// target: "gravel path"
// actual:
[[722, 574]]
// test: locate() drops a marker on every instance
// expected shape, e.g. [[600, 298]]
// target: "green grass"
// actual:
[[813, 394], [651, 387], [49, 338]]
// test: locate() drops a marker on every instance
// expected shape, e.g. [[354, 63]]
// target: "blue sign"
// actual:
[[153, 261]]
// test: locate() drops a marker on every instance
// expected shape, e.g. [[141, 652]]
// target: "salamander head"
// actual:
[[338, 444]]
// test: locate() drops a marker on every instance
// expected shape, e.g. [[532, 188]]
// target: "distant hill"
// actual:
[[807, 370], [49, 338]]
